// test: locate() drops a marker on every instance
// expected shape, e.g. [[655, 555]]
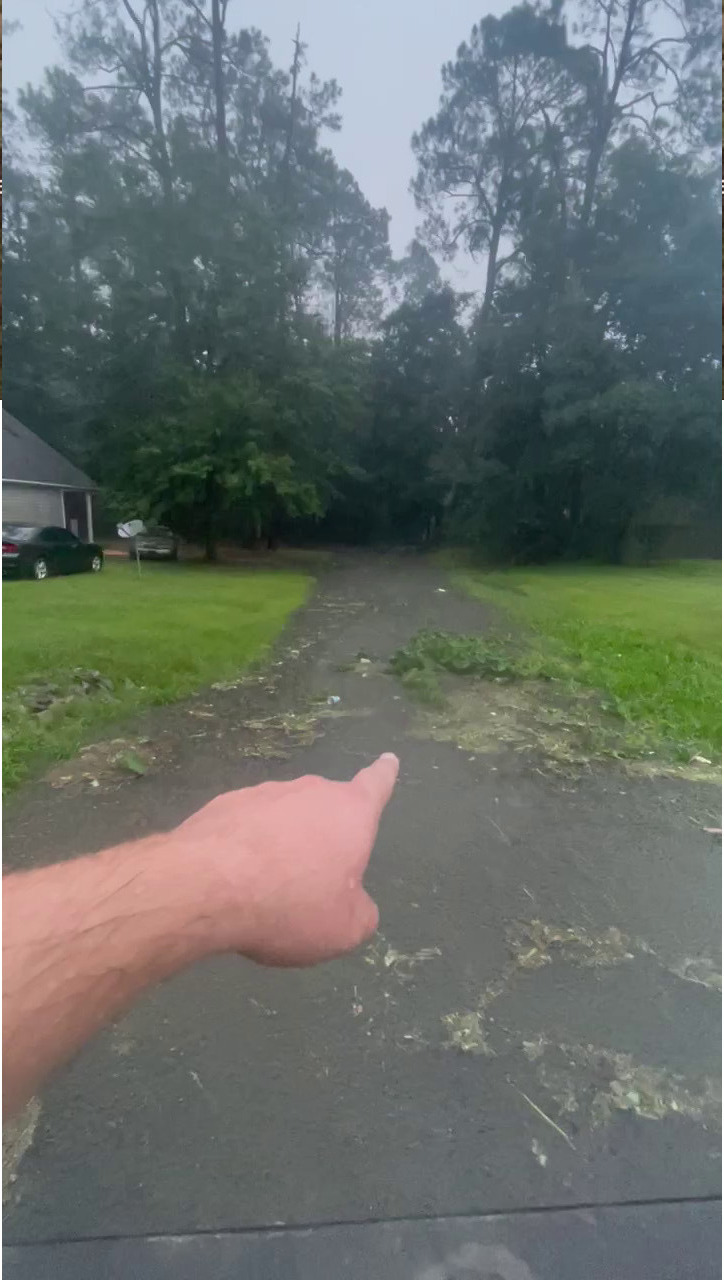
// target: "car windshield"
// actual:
[[19, 532]]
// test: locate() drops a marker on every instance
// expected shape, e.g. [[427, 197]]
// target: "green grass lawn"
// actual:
[[154, 638], [649, 638]]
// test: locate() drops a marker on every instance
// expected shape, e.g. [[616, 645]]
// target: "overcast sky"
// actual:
[[385, 54]]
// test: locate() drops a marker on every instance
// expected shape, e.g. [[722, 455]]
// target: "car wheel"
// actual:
[[96, 564], [40, 569]]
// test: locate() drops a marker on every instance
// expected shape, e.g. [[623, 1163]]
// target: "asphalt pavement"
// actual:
[[536, 1025]]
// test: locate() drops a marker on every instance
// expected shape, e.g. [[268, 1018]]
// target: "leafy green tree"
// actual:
[[504, 105], [353, 255], [658, 226], [417, 378], [415, 275], [224, 461]]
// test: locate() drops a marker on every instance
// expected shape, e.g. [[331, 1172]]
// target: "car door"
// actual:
[[76, 552], [59, 547]]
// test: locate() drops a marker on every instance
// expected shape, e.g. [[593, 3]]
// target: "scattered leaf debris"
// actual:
[[18, 1134], [535, 944], [109, 763], [401, 964], [601, 1082], [565, 731], [699, 969], [539, 1153], [466, 1032], [133, 762]]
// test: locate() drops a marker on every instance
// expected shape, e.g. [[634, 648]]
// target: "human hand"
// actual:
[[287, 861]]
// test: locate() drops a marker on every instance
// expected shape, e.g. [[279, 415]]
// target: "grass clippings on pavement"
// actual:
[[647, 641]]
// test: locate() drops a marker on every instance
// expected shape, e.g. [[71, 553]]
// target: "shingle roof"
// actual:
[[27, 457]]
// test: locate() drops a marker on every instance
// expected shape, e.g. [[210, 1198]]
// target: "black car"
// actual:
[[30, 551]]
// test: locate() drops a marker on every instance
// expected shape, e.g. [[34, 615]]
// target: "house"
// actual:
[[40, 486]]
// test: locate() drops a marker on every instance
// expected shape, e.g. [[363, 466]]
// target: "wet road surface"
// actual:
[[537, 1023]]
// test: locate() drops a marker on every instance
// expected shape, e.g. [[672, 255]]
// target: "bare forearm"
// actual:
[[273, 872], [81, 940]]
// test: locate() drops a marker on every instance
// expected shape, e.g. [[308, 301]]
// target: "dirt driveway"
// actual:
[[536, 1024]]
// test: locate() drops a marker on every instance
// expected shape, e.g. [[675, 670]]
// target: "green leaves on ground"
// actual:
[[459, 654], [429, 653], [132, 762]]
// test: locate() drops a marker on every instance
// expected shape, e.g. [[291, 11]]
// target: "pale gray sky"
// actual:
[[385, 54]]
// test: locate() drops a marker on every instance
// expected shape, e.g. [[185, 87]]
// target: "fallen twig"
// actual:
[[543, 1115], [493, 823]]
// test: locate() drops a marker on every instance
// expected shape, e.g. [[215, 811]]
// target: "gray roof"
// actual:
[[27, 457]]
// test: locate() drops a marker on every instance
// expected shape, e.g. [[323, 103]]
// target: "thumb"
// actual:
[[377, 781], [365, 918]]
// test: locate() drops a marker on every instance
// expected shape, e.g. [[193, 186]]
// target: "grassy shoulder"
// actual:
[[649, 639], [82, 651]]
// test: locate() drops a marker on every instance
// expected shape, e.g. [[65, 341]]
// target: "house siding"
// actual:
[[32, 504]]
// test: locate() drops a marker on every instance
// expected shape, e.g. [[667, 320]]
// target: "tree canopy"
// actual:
[[202, 306]]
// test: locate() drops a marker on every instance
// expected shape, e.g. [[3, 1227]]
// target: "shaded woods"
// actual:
[[202, 307]]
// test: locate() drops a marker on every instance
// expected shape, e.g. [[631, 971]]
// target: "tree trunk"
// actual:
[[289, 141], [287, 239], [575, 511], [336, 273], [491, 275], [217, 46], [618, 540], [606, 110], [154, 93], [210, 521], [593, 164], [337, 313]]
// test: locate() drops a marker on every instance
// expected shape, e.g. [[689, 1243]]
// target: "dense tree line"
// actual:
[[202, 307]]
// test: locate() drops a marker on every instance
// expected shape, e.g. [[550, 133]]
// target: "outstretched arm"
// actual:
[[274, 872]]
